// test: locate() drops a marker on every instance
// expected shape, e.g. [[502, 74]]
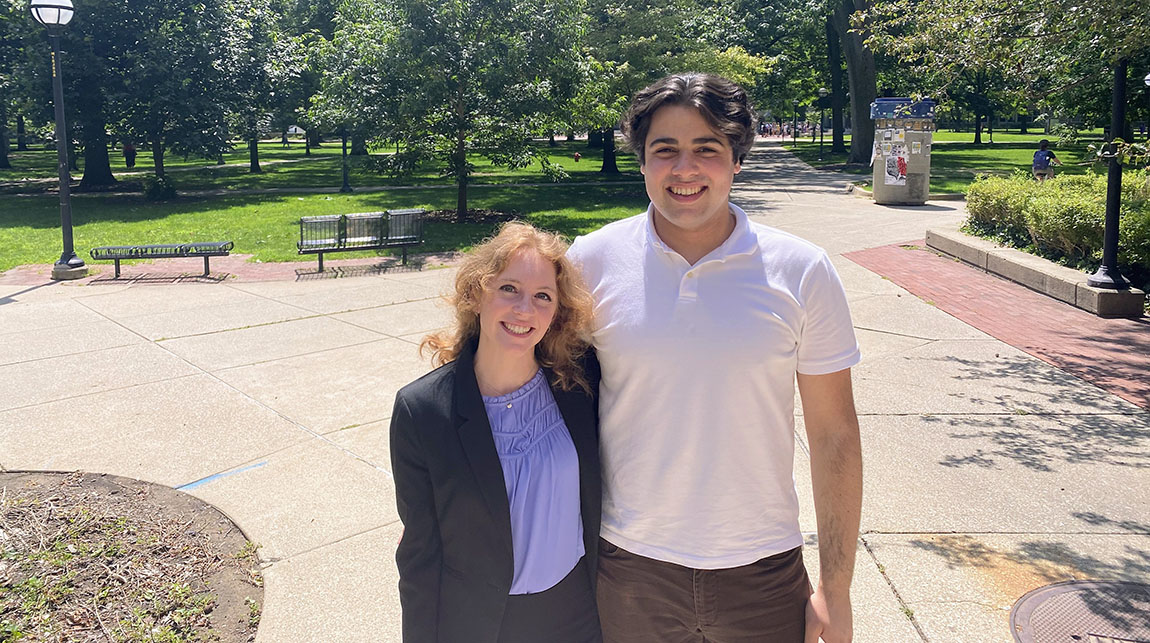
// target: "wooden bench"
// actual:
[[205, 249], [360, 231]]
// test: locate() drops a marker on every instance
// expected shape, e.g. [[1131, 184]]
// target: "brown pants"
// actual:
[[649, 601]]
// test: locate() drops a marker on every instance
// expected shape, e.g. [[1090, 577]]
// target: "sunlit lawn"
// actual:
[[322, 169], [39, 162], [266, 225]]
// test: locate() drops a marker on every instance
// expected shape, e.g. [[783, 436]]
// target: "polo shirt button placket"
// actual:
[[689, 286]]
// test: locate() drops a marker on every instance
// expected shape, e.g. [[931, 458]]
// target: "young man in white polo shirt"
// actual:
[[703, 322]]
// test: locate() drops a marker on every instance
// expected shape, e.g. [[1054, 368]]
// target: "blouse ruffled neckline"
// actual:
[[532, 384]]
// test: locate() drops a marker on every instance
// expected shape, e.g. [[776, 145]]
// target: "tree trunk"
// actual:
[[977, 128], [551, 139], [609, 164], [313, 137], [990, 124], [158, 157], [358, 144], [459, 161], [73, 161], [21, 134], [307, 143], [4, 162], [254, 154], [860, 78], [595, 138], [570, 135], [834, 59], [1022, 118], [97, 166]]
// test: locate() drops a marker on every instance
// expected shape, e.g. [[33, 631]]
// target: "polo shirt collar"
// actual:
[[742, 241]]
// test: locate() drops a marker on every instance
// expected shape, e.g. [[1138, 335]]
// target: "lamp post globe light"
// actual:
[[55, 14], [822, 117]]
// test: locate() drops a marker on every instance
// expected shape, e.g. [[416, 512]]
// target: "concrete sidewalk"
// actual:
[[988, 472]]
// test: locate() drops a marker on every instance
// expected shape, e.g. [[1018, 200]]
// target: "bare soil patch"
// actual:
[[93, 557]]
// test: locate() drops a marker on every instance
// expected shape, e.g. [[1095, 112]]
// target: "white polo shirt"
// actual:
[[697, 397]]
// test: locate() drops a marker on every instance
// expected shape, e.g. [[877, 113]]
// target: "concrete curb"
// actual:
[[856, 190], [1038, 274]]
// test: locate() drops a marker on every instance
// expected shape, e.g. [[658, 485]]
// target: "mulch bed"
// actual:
[[92, 557]]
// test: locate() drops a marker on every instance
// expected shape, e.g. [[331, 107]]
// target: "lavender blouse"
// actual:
[[541, 472]]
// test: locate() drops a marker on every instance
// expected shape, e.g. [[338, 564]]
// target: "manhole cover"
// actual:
[[1086, 611]]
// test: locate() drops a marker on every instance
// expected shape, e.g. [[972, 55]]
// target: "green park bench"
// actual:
[[361, 231], [205, 249]]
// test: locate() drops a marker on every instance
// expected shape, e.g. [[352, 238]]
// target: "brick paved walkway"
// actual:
[[1113, 354], [232, 267]]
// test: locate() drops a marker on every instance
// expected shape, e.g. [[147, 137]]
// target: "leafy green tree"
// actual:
[[475, 75], [632, 43], [1059, 53], [11, 53], [179, 76], [850, 20], [255, 47], [359, 84], [26, 84]]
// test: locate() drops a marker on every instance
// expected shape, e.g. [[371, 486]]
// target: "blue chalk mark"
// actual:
[[203, 481]]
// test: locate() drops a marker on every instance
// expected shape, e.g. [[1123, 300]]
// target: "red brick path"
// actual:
[[232, 267], [1113, 354]]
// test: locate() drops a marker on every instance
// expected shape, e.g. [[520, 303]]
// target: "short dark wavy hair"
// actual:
[[723, 104]]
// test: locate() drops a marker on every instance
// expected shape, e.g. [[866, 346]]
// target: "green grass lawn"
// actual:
[[266, 225], [955, 161], [323, 169]]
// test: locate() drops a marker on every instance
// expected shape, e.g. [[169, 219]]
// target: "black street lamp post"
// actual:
[[55, 14], [822, 117], [795, 122], [346, 187], [1108, 275]]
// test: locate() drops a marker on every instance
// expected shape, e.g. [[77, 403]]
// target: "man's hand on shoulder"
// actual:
[[829, 619]]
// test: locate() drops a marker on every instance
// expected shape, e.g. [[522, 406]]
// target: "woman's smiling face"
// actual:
[[518, 306]]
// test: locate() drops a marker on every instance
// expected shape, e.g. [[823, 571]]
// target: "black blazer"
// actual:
[[455, 557]]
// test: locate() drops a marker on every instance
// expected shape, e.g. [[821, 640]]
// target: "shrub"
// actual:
[[157, 189], [1134, 225], [997, 204], [1068, 221], [1065, 216]]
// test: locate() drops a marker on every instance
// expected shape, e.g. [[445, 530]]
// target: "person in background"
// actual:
[[1042, 167], [129, 155], [495, 456]]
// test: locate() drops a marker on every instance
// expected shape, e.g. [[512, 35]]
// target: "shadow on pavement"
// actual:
[[389, 266], [1032, 564]]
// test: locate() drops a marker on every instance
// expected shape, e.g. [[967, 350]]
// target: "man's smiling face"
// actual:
[[688, 170]]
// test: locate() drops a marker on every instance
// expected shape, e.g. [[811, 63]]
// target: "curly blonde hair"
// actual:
[[562, 345]]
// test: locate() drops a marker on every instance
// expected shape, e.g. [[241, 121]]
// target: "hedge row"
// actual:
[[1064, 217]]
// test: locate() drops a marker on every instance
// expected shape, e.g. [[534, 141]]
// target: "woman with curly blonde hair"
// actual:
[[496, 459]]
